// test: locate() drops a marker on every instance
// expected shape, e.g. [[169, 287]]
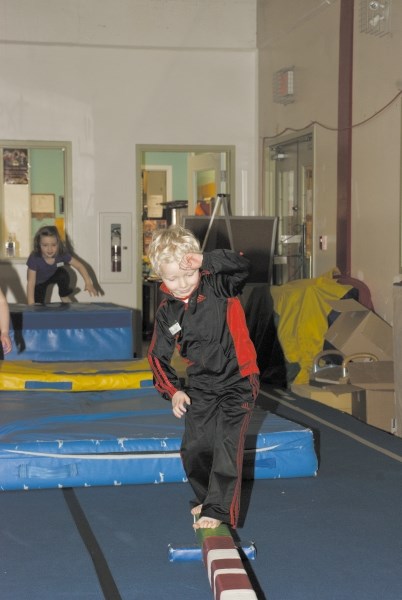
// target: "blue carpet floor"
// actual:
[[331, 537]]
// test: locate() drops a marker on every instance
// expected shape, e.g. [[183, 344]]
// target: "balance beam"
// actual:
[[227, 576]]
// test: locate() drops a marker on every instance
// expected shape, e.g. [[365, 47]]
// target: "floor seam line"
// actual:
[[353, 436]]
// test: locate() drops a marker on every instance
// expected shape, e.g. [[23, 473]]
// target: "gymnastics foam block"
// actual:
[[75, 439], [76, 377], [71, 331]]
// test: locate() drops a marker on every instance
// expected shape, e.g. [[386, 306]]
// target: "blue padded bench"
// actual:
[[71, 332]]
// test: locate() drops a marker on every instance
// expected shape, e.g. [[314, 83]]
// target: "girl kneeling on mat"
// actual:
[[45, 267]]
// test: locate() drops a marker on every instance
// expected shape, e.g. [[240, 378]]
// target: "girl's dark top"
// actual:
[[43, 270]]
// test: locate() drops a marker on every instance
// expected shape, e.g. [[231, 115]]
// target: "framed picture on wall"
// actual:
[[43, 206], [15, 166]]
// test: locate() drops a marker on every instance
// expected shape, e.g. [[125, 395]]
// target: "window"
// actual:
[[34, 191]]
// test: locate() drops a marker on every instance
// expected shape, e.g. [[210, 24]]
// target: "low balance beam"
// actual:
[[226, 573]]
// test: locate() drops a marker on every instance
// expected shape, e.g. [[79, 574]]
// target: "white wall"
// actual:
[[109, 75], [306, 35], [376, 185]]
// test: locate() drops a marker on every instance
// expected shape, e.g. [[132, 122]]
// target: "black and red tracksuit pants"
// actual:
[[212, 448]]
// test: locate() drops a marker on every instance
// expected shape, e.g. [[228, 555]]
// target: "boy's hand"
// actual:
[[179, 401], [193, 260]]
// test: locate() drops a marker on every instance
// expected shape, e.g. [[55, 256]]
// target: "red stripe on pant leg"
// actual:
[[235, 505]]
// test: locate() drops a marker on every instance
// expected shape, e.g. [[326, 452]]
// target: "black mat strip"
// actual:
[[105, 577]]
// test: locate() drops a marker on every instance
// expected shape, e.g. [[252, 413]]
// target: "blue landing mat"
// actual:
[[72, 331], [124, 437]]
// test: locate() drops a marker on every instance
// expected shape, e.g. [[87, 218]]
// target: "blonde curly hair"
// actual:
[[171, 245]]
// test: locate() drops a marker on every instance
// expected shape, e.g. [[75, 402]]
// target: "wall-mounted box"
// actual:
[[115, 247]]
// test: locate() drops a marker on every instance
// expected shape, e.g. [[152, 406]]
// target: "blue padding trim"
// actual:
[[146, 383], [48, 385]]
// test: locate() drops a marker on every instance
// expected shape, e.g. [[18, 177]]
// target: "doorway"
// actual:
[[288, 194], [206, 177], [172, 182]]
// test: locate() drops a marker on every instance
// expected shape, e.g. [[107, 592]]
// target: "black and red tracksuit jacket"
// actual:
[[209, 330]]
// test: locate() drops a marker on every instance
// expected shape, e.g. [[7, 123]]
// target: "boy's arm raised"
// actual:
[[230, 268]]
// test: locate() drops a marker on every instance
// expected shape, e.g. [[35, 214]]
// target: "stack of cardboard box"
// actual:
[[368, 392]]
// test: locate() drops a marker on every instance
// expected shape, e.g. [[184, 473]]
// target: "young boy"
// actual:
[[201, 315]]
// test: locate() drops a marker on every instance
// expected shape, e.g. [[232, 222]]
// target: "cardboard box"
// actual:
[[376, 375], [339, 396], [377, 406], [358, 329]]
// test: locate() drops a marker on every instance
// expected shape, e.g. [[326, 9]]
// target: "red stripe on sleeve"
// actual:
[[244, 347]]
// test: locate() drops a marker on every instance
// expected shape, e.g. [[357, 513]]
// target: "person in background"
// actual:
[[46, 267], [4, 324], [202, 316]]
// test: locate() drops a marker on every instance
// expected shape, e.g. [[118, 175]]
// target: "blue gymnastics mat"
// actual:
[[78, 439], [71, 331]]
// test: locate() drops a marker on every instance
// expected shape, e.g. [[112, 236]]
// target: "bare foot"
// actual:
[[196, 509], [207, 523]]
